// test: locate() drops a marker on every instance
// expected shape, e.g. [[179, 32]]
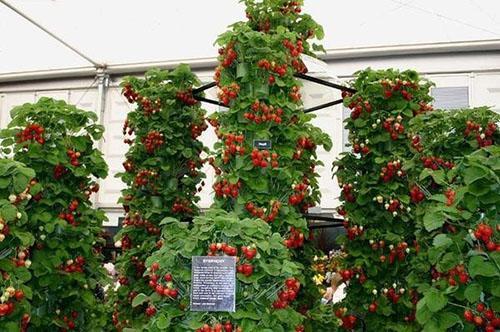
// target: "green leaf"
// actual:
[[435, 300], [473, 292], [162, 322], [447, 320], [433, 220], [139, 299], [479, 267], [442, 240], [473, 173]]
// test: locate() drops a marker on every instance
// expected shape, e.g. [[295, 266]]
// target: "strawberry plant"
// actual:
[[17, 187], [268, 280], [61, 231], [378, 218], [162, 174], [457, 170], [257, 62]]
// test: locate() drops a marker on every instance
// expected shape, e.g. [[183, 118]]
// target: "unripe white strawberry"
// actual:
[[27, 263], [118, 244], [12, 198]]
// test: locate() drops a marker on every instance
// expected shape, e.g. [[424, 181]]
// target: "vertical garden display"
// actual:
[[57, 141], [376, 200], [162, 175], [17, 187], [456, 189], [276, 183]]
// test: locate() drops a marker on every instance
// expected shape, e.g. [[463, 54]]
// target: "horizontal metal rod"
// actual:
[[324, 225], [210, 101], [323, 82], [204, 87], [325, 105], [322, 217]]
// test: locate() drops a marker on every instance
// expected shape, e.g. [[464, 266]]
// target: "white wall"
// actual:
[[479, 72]]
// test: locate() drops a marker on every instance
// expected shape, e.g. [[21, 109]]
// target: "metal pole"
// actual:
[[38, 25], [102, 88]]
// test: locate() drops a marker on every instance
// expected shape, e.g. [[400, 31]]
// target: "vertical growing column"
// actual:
[[17, 188], [379, 221], [266, 156], [57, 141], [162, 175]]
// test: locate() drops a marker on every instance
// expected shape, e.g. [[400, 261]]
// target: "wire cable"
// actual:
[[51, 34], [446, 17]]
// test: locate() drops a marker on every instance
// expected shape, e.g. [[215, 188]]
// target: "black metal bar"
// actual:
[[322, 217], [204, 87], [210, 101], [323, 82], [325, 105], [325, 225]]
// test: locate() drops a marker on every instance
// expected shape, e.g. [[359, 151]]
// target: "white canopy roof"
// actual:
[[125, 31]]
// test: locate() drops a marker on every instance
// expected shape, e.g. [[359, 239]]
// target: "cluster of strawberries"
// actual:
[[424, 108], [295, 239], [137, 221], [390, 87], [182, 206], [399, 251], [186, 97], [450, 196], [393, 295], [347, 192], [149, 107], [74, 266], [221, 247], [234, 146], [394, 126], [483, 138], [416, 143], [128, 165], [73, 156], [228, 55], [166, 290], [219, 327], [295, 49], [69, 216], [295, 94], [301, 190], [484, 317], [198, 129], [261, 113], [152, 141], [291, 7], [434, 163], [246, 268], [8, 307], [392, 169], [348, 322], [484, 232], [357, 106], [354, 231], [226, 189], [69, 321], [33, 132], [264, 158], [143, 177], [288, 294], [416, 194], [228, 93]]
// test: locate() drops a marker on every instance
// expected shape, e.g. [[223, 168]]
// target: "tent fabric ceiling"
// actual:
[[127, 31]]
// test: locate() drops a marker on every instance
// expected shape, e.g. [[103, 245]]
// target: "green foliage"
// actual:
[[272, 265], [375, 197], [257, 62], [162, 175], [61, 230], [15, 193], [461, 263]]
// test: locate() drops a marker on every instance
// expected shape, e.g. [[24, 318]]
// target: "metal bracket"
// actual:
[[197, 91]]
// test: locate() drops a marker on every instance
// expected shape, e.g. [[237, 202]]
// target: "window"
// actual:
[[448, 98]]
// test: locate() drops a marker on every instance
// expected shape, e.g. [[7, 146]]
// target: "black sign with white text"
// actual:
[[213, 283]]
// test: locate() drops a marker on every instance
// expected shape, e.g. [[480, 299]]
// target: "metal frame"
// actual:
[[305, 77]]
